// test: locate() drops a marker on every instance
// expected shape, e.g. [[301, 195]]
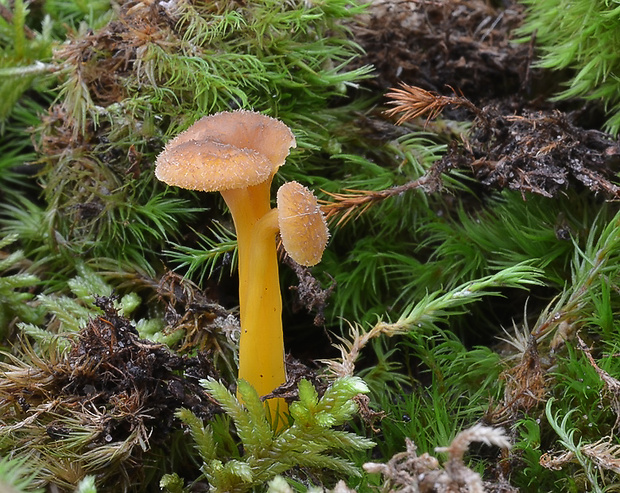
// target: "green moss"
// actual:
[[582, 36], [421, 274]]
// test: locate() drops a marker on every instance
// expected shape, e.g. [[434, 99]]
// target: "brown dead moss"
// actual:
[[109, 363], [465, 44], [107, 405], [539, 152]]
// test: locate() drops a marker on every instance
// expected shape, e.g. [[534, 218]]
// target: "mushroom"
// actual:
[[302, 224], [304, 233], [237, 153]]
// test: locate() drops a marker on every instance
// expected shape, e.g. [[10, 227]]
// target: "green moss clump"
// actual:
[[581, 35]]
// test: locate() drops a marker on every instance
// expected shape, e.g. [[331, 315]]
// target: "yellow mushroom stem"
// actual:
[[261, 345], [247, 206]]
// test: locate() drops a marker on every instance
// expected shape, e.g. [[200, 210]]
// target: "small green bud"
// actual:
[[129, 303], [171, 483]]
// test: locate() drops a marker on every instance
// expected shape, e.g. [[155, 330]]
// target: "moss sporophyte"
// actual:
[[238, 153]]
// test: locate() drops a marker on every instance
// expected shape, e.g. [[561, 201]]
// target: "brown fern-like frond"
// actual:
[[413, 101], [354, 203], [349, 204]]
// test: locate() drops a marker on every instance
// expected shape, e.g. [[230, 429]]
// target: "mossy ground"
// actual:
[[467, 300]]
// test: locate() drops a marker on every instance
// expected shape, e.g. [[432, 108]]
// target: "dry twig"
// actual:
[[356, 202]]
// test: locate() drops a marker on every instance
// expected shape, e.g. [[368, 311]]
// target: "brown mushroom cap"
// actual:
[[225, 151], [208, 166], [302, 226]]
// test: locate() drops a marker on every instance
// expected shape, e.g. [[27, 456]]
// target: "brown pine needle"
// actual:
[[353, 203], [414, 101]]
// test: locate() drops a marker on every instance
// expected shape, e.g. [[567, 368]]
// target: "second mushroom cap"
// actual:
[[302, 225]]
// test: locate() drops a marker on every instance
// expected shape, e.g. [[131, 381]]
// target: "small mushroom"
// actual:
[[304, 233], [237, 153]]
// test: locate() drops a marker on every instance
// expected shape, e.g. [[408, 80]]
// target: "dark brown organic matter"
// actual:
[[110, 363], [465, 44], [107, 401], [295, 372], [539, 152], [525, 387], [310, 294]]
